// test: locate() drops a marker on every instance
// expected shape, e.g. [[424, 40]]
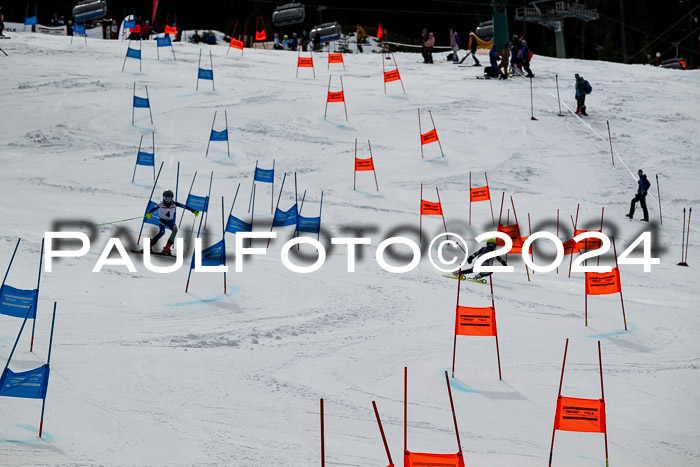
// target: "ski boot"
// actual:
[[167, 249], [583, 111]]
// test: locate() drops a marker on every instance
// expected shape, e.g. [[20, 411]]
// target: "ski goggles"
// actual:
[[167, 198]]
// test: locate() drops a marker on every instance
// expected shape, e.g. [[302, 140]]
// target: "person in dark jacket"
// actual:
[[525, 57], [581, 85], [515, 55], [494, 58], [423, 40], [641, 196], [473, 45]]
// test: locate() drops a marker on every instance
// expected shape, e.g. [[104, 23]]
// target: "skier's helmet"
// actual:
[[491, 242], [168, 196]]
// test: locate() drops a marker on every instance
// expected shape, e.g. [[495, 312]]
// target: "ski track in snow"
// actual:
[[144, 374]]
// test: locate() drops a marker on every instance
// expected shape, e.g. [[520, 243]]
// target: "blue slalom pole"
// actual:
[[223, 238], [318, 234], [188, 197], [149, 200], [48, 362], [252, 215], [9, 359], [212, 129], [36, 303], [250, 200], [211, 179], [19, 240], [228, 147], [137, 161], [276, 207]]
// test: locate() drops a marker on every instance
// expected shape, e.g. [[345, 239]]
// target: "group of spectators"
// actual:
[[295, 42], [515, 53]]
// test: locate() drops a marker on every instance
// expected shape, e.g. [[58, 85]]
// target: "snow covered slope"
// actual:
[[144, 374]]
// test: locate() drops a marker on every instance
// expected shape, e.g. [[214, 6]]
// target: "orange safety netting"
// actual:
[[513, 231], [336, 96], [305, 62], [170, 30], [392, 75], [587, 244], [335, 58], [603, 283], [479, 194], [236, 44], [586, 415], [429, 137], [518, 249], [363, 164], [475, 321], [430, 209], [420, 459], [260, 35]]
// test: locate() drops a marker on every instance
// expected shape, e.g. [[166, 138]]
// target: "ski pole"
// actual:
[[114, 222], [687, 238], [612, 154], [682, 238], [558, 98], [658, 191], [532, 103]]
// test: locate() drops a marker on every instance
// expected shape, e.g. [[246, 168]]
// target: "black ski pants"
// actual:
[[642, 198]]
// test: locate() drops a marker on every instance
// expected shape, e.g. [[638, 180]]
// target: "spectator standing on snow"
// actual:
[[455, 46], [583, 87], [114, 30], [525, 57], [429, 45], [423, 40], [503, 66], [515, 55], [2, 22], [304, 41], [295, 41], [641, 196]]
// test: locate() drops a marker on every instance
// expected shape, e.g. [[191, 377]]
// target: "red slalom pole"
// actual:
[[454, 416], [602, 398], [405, 407], [381, 430], [561, 380], [454, 346]]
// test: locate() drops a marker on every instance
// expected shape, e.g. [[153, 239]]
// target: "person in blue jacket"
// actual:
[[166, 218], [641, 196], [581, 85], [494, 58]]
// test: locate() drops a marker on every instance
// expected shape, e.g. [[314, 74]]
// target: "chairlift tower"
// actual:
[[553, 17]]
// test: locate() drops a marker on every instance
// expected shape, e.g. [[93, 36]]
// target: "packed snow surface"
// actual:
[[146, 374]]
